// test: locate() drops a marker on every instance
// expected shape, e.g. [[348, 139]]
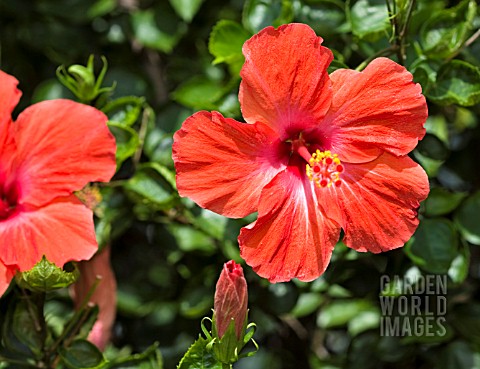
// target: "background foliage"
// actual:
[[169, 58]]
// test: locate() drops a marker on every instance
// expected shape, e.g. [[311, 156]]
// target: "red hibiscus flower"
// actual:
[[318, 153], [53, 149]]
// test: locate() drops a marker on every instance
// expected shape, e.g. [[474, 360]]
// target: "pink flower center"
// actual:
[[8, 202], [323, 168]]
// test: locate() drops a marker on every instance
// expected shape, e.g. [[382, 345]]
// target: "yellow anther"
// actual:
[[324, 169]]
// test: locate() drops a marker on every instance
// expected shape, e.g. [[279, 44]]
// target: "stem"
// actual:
[[141, 134], [226, 366], [472, 39], [78, 316], [407, 18], [467, 43], [403, 32], [398, 34]]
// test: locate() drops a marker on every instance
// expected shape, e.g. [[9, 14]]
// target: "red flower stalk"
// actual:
[[231, 300], [318, 153], [53, 149], [105, 295]]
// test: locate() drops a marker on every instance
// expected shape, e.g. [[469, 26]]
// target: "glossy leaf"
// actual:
[[441, 201], [434, 245], [466, 319], [376, 13], [457, 82], [443, 34], [325, 17], [127, 141], [258, 14], [467, 219], [151, 358], [459, 355], [307, 303], [124, 110], [150, 187], [20, 333], [432, 147], [186, 9], [199, 93], [459, 268], [161, 35], [225, 44], [82, 354], [340, 312]]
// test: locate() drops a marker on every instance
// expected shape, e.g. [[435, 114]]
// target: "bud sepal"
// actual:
[[227, 349]]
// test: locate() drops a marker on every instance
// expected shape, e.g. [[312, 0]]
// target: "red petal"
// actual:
[[292, 237], [6, 275], [223, 164], [9, 97], [378, 201], [62, 231], [61, 146], [285, 82], [105, 295], [377, 109]]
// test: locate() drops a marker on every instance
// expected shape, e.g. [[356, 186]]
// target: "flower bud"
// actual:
[[231, 299]]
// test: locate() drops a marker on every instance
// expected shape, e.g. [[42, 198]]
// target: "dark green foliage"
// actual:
[[171, 58]]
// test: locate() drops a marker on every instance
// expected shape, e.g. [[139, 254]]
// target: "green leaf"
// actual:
[[466, 319], [364, 321], [157, 31], [458, 270], [368, 18], [151, 186], [49, 90], [199, 93], [45, 277], [444, 33], [437, 125], [127, 141], [258, 14], [190, 239], [432, 147], [20, 330], [459, 355], [81, 354], [466, 219], [124, 110], [225, 44], [196, 302], [101, 8], [441, 201], [340, 312], [198, 357], [434, 245], [326, 17], [211, 223], [151, 358], [431, 166], [457, 82], [307, 303], [186, 9]]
